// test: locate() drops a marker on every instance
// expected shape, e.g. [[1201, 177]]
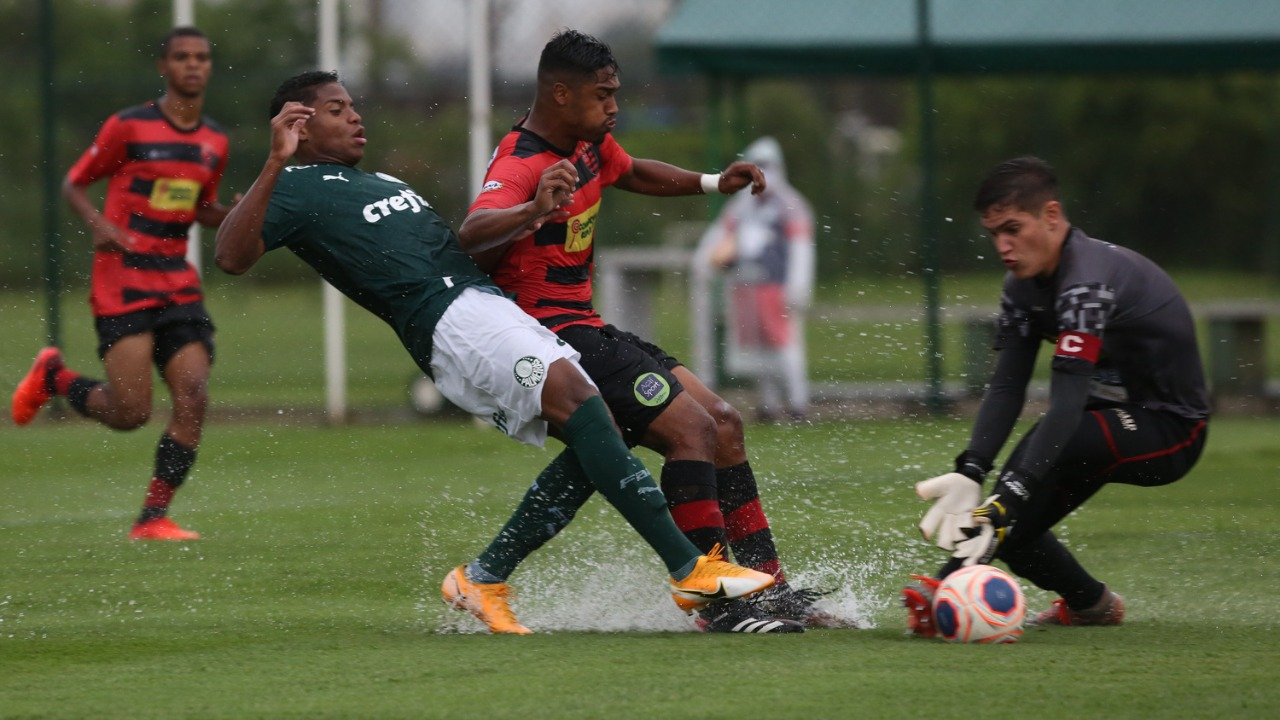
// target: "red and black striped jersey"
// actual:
[[159, 175], [549, 271]]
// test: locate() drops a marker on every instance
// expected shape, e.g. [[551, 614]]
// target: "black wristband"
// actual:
[[972, 466]]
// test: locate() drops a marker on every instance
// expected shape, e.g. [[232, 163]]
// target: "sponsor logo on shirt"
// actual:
[[491, 185], [580, 229], [404, 200], [174, 194]]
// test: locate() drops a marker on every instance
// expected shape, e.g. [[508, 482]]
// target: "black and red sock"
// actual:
[[745, 523], [173, 463], [690, 489]]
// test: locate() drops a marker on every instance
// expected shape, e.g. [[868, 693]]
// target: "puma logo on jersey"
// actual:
[[334, 177], [404, 200]]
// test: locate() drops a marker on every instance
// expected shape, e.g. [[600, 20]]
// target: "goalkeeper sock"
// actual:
[[548, 506], [690, 489], [745, 523], [623, 480], [1047, 563]]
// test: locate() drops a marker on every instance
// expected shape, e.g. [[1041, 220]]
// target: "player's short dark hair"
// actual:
[[162, 50], [1026, 183], [571, 53], [301, 88]]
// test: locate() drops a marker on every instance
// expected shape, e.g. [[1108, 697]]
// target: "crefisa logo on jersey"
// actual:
[[530, 371]]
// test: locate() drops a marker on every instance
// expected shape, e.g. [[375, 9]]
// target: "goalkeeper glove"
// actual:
[[992, 520], [954, 498], [954, 495]]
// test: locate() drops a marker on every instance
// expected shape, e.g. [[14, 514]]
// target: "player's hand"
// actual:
[[286, 127], [554, 194], [991, 522], [109, 237], [741, 174], [954, 497]]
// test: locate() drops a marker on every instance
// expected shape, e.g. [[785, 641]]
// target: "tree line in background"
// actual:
[[1185, 169]]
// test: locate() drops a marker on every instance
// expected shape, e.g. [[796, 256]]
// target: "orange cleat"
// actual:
[[37, 387], [161, 528], [486, 601], [714, 579]]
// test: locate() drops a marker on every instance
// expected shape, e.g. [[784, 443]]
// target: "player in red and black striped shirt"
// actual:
[[533, 229], [163, 161]]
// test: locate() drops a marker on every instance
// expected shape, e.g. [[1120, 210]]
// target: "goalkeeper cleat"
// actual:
[[1108, 611], [486, 601], [37, 387], [714, 579], [739, 616], [784, 601], [161, 528], [918, 599]]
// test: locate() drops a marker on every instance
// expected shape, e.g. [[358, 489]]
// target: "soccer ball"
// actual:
[[979, 604]]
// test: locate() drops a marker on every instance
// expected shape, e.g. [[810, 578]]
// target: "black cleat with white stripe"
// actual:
[[739, 616]]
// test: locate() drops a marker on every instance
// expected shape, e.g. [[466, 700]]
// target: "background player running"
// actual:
[[164, 160], [1127, 399], [533, 228], [382, 245]]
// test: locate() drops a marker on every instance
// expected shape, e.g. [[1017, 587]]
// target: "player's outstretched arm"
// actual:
[[654, 177], [239, 243]]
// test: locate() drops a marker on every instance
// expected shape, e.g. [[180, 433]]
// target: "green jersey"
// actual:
[[378, 242]]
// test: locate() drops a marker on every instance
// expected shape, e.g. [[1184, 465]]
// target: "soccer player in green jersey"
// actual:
[[382, 245]]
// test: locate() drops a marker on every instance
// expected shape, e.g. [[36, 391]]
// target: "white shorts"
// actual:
[[490, 358]]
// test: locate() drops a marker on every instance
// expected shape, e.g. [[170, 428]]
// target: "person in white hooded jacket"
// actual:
[[765, 246]]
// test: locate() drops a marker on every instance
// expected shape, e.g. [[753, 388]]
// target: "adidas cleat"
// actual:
[[739, 616], [784, 601], [37, 387], [918, 599], [486, 601], [161, 528], [714, 579], [1108, 611]]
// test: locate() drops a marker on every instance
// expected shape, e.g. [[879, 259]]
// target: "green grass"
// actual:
[[314, 590]]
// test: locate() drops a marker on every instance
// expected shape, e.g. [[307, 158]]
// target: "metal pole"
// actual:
[[929, 255], [335, 351], [480, 144], [49, 177], [184, 14]]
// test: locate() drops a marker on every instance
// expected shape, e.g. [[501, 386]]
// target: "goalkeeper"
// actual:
[[1127, 399]]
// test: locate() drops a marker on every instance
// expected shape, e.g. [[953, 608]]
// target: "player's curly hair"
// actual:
[[1026, 183], [301, 88], [573, 53]]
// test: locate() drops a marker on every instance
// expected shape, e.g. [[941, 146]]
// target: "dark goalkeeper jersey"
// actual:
[[1116, 316], [377, 241]]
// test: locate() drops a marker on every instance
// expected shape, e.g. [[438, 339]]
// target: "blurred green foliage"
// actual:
[[1185, 169]]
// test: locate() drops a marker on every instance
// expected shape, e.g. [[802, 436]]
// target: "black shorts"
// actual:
[[1128, 445], [174, 327], [634, 375]]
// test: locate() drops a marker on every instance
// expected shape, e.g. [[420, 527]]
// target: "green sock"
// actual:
[[623, 480], [551, 502]]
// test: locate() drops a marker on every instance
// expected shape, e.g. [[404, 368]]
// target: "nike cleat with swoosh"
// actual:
[[714, 579]]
